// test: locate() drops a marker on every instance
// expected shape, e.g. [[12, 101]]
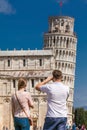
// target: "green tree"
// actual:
[[80, 116], [86, 118]]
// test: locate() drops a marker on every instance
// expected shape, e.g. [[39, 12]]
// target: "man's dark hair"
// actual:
[[57, 74]]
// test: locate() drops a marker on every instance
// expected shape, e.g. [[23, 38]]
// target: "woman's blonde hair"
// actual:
[[22, 83]]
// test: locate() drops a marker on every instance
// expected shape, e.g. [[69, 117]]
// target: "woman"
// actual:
[[21, 103]]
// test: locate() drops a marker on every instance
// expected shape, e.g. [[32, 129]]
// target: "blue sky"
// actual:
[[23, 22]]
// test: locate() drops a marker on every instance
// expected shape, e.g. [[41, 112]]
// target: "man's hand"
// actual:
[[37, 87], [49, 78]]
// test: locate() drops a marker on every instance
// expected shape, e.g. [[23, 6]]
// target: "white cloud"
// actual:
[[6, 7]]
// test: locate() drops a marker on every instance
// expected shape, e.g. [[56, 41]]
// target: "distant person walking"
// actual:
[[57, 94], [67, 126], [79, 126], [83, 127], [73, 126], [21, 103]]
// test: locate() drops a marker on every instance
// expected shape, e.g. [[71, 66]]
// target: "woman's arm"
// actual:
[[31, 104]]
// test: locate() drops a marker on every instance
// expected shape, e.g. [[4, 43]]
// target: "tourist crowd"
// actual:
[[74, 127]]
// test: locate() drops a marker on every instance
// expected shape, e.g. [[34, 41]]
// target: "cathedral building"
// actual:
[[58, 52]]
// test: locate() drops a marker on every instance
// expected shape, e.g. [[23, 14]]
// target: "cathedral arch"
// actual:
[[32, 83], [66, 54], [65, 66], [57, 39], [62, 65], [9, 62], [69, 53], [67, 28], [24, 62], [65, 78], [35, 100], [56, 64], [69, 67], [64, 39], [70, 42], [54, 40], [59, 65], [63, 53], [43, 100], [60, 53], [67, 43], [56, 52], [73, 43], [72, 54], [60, 41]]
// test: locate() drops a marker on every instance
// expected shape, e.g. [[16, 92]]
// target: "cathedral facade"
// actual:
[[58, 52]]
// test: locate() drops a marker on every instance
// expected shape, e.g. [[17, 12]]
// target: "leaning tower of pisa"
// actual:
[[63, 41]]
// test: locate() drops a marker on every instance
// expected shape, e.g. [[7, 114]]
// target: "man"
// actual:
[[57, 94]]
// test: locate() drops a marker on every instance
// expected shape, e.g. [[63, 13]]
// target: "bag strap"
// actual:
[[21, 105]]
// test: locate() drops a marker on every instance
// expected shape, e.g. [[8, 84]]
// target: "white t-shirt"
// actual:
[[57, 94]]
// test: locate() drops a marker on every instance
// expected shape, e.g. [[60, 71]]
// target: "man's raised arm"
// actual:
[[37, 87]]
